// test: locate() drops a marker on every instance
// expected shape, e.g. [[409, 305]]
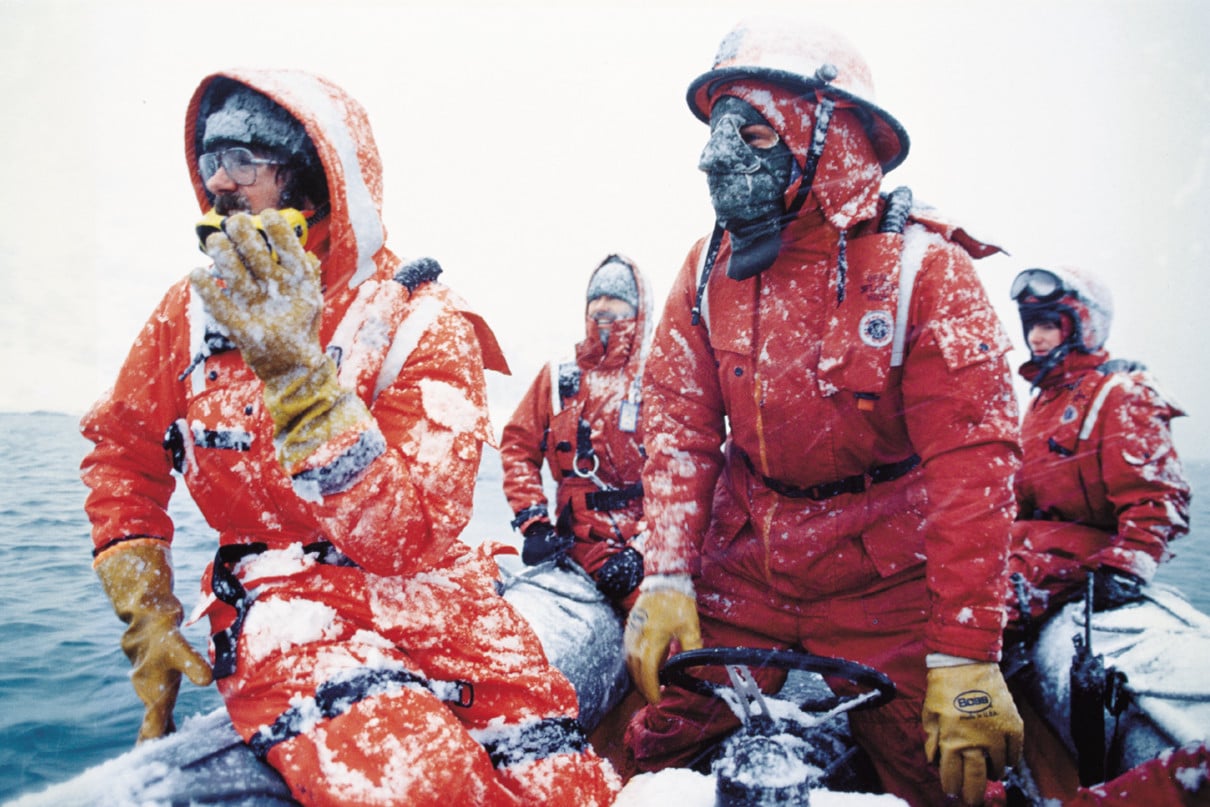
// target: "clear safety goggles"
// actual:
[[239, 163], [1039, 285]]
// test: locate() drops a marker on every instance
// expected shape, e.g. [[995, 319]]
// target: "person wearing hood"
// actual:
[[325, 404], [831, 429], [1101, 490], [582, 417]]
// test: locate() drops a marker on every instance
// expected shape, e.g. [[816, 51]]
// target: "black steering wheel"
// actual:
[[675, 672]]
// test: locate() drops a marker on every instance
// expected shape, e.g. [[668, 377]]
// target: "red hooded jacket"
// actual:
[[600, 387], [411, 351]]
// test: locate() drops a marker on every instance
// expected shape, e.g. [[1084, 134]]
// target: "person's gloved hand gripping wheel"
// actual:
[[271, 309], [665, 612], [971, 726]]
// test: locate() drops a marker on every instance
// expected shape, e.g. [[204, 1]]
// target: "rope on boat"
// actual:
[[527, 577]]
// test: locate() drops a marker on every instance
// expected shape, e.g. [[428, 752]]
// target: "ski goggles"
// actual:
[[1039, 285], [239, 163]]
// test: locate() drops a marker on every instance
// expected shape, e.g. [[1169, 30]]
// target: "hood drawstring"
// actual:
[[842, 268], [1048, 363], [819, 136], [212, 344]]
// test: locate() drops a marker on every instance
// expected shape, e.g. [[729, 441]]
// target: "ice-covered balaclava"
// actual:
[[747, 185], [613, 279], [833, 166], [246, 117]]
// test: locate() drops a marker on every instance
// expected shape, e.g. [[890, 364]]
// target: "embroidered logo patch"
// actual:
[[1069, 414], [877, 328]]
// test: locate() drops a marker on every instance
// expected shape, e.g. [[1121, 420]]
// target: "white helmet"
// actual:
[[1069, 290], [804, 58]]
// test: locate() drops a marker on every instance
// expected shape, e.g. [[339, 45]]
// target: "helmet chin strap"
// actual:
[[1050, 361], [756, 244]]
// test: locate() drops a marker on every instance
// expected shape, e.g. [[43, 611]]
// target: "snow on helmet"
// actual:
[[1067, 290], [804, 58]]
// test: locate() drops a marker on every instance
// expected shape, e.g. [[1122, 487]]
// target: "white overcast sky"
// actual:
[[524, 142]]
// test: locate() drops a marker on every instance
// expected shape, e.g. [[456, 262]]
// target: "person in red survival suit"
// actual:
[[326, 409], [582, 417], [1101, 490], [831, 428]]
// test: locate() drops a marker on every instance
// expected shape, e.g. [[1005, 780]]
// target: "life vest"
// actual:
[[877, 274], [877, 266], [1080, 416], [565, 378]]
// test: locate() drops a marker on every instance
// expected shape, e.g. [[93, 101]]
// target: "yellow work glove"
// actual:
[[660, 615], [970, 718], [138, 581], [269, 300]]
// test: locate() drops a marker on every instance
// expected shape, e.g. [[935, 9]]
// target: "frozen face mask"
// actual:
[[747, 165], [748, 169]]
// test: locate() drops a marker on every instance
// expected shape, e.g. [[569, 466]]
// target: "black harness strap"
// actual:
[[227, 587], [849, 484], [603, 500], [584, 440], [538, 740]]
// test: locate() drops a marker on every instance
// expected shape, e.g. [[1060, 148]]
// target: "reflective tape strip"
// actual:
[[1094, 411], [407, 337], [196, 313], [915, 243]]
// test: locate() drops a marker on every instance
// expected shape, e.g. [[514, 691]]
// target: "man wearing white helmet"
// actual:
[[831, 428], [1101, 490]]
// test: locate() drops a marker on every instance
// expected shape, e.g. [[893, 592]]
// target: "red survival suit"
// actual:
[[822, 492], [583, 418], [1101, 483], [367, 656]]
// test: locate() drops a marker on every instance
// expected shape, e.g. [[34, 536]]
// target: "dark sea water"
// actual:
[[65, 698]]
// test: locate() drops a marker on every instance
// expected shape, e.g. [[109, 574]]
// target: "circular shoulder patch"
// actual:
[[877, 328]]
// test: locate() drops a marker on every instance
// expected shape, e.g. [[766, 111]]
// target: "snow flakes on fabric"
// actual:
[[276, 625], [447, 406]]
